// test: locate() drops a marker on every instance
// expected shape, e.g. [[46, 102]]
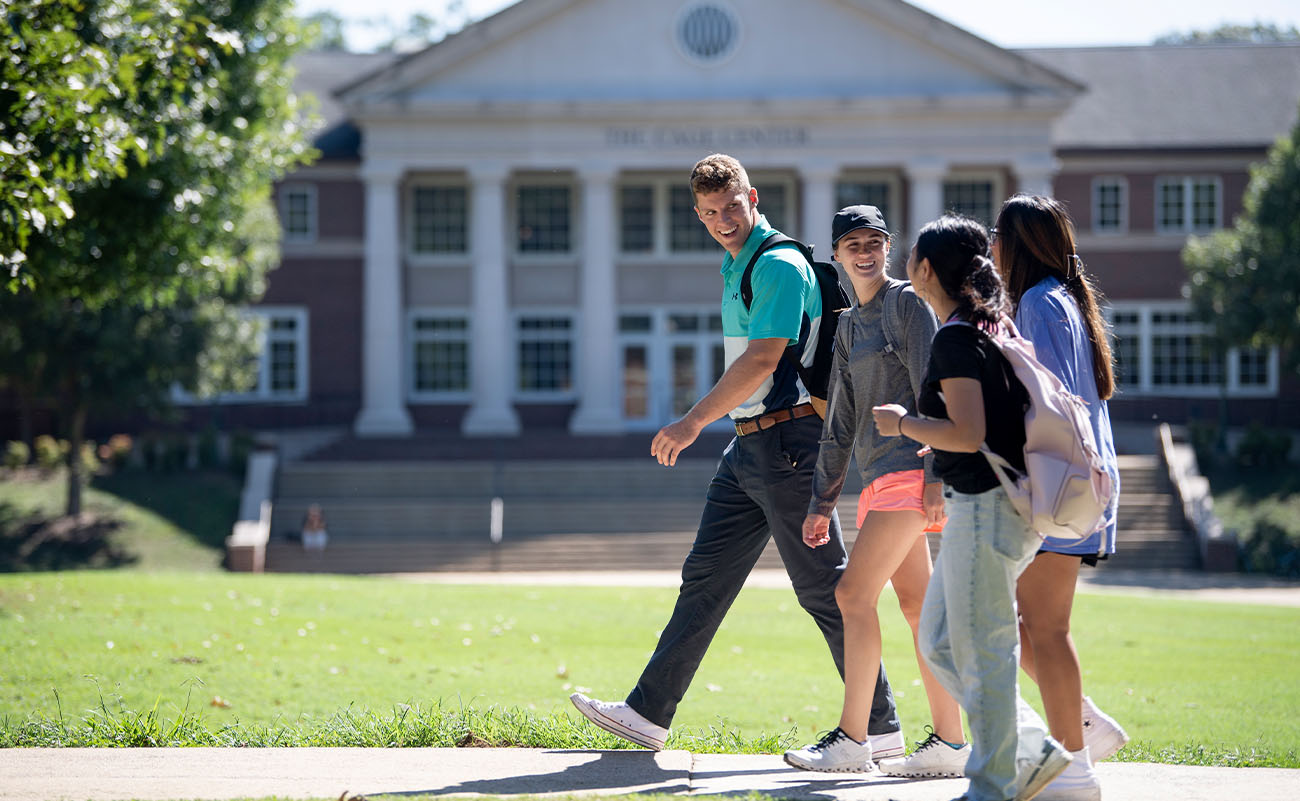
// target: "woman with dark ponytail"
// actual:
[[969, 397], [1057, 309]]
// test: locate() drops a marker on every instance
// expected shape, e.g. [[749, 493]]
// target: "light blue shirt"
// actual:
[[1049, 318], [786, 305]]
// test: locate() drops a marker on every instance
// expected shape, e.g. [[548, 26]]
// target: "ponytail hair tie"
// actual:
[[1073, 267]]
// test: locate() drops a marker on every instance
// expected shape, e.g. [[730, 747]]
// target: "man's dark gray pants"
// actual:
[[761, 489]]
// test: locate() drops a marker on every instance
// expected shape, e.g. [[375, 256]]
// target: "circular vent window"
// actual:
[[708, 32]]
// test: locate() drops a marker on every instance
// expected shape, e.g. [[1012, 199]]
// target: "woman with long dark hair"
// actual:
[[971, 397], [1058, 310]]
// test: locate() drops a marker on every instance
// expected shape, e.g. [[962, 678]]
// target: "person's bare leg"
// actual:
[[910, 580], [882, 544], [1045, 598]]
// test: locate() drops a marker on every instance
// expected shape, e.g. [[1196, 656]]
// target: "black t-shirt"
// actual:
[[962, 351]]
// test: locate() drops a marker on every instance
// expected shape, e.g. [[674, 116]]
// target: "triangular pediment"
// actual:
[[705, 51]]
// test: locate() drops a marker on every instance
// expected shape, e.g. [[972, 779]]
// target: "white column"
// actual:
[[490, 412], [1034, 176], [383, 410], [818, 207], [925, 195], [598, 368]]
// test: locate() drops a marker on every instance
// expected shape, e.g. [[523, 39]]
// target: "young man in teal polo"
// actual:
[[764, 479]]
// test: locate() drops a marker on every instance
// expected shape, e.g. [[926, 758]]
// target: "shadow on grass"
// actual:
[[31, 542], [201, 503]]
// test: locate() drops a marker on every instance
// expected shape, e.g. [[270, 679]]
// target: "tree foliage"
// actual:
[[1245, 281], [1259, 33], [86, 87], [145, 286]]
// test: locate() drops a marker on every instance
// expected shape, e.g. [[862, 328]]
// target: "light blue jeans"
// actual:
[[970, 638]]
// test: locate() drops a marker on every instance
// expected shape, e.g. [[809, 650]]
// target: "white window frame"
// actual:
[[414, 337], [1146, 332], [536, 180], [522, 395], [892, 181], [309, 191], [262, 393], [661, 249], [436, 258], [1121, 182], [996, 180], [1187, 226]]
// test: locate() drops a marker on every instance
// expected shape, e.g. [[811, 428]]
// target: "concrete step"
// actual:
[[623, 478]]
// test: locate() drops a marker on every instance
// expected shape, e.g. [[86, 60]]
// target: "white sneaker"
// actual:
[[887, 745], [621, 720], [1036, 773], [1101, 734], [932, 759], [834, 753], [1078, 782]]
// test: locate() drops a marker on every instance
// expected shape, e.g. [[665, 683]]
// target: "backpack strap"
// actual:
[[773, 240], [891, 321]]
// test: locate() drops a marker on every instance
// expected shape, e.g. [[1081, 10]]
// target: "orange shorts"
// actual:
[[896, 492]]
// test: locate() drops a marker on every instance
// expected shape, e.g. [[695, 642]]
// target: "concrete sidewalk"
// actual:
[[171, 774]]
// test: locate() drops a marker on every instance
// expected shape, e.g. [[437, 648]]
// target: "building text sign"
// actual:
[[720, 138]]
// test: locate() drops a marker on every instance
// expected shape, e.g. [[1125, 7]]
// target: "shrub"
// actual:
[[17, 454], [89, 461], [1270, 547], [1263, 447], [117, 451], [50, 452]]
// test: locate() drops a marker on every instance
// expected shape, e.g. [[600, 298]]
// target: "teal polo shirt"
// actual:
[[786, 305]]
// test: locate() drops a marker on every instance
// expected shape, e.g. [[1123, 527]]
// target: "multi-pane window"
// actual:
[[440, 354], [298, 212], [439, 219], [282, 366], [686, 232], [1187, 204], [1126, 326], [1163, 349], [865, 193], [772, 205], [1253, 367], [974, 198], [1109, 205], [1181, 353], [545, 219], [636, 218], [657, 215], [545, 354]]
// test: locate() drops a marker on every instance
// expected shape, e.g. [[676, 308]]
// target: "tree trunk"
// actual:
[[76, 435]]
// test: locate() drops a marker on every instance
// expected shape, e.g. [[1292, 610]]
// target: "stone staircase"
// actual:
[[602, 514], [1152, 534]]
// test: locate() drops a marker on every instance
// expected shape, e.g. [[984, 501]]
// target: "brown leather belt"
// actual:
[[764, 422]]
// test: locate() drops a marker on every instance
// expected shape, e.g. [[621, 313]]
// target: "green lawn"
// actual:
[[1193, 682], [152, 520]]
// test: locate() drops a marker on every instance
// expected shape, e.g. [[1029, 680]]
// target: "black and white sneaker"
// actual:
[[836, 752]]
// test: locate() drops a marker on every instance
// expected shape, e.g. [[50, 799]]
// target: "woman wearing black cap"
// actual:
[[882, 347]]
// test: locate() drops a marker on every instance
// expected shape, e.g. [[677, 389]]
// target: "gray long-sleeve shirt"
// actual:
[[868, 374]]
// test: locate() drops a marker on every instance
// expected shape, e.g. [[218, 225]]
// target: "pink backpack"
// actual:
[[1066, 490]]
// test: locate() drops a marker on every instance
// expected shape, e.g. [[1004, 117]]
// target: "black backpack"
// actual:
[[835, 300]]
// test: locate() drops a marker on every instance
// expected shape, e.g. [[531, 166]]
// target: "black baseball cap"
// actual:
[[851, 218]]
